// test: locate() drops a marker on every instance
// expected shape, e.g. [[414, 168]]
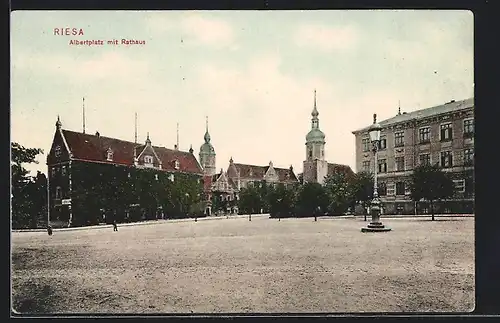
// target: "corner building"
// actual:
[[442, 135]]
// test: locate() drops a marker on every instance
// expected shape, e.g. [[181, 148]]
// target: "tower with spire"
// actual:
[[207, 154], [315, 165]]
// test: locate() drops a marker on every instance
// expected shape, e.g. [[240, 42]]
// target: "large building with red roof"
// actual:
[[70, 148]]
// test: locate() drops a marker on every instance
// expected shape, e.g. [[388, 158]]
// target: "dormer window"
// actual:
[[177, 165], [109, 155], [171, 177], [148, 160], [57, 151]]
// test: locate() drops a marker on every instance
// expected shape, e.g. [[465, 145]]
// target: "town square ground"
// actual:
[[239, 266]]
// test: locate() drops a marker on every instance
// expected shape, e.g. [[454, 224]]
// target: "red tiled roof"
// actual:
[[251, 171], [286, 175], [93, 148], [339, 168], [258, 172]]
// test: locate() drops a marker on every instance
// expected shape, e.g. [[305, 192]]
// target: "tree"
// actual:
[[281, 201], [430, 183], [29, 194], [363, 189], [339, 189], [250, 200], [310, 196]]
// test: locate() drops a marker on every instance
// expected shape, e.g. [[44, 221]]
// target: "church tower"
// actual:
[[315, 165], [207, 155]]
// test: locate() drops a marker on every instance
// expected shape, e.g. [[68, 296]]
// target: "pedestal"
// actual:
[[375, 227]]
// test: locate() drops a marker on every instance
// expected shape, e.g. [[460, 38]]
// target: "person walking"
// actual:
[[49, 230], [115, 227]]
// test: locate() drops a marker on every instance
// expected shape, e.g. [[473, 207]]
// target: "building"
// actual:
[[244, 175], [221, 193], [316, 168], [441, 135], [76, 159]]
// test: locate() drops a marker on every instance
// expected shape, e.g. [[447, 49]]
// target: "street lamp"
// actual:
[[376, 225]]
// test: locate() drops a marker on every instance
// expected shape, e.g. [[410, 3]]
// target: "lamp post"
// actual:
[[375, 225]]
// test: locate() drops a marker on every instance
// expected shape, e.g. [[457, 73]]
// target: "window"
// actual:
[[109, 157], [400, 188], [382, 166], [53, 171], [446, 132], [424, 135], [469, 128], [390, 188], [58, 193], [148, 159], [382, 143], [310, 153], [459, 185], [176, 164], [400, 164], [446, 159], [156, 176], [366, 165], [399, 139], [57, 151], [469, 156], [366, 144], [425, 159], [171, 177], [63, 170], [382, 189]]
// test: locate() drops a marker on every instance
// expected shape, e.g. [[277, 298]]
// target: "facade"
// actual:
[[221, 194], [316, 168], [441, 135], [244, 175], [75, 157]]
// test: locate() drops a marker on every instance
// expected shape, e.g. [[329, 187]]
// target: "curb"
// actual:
[[159, 221]]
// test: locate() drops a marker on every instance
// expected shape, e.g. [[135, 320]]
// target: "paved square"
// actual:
[[236, 266]]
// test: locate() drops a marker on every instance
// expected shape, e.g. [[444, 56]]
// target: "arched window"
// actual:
[[177, 164]]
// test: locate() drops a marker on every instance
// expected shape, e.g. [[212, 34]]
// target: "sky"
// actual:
[[252, 73]]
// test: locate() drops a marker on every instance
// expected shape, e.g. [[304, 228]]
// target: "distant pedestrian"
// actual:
[[196, 219], [115, 227], [49, 230], [249, 217]]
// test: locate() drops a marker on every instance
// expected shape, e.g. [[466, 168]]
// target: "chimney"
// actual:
[[175, 147], [97, 134]]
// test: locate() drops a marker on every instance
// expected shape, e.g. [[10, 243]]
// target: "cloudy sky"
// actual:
[[253, 73]]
